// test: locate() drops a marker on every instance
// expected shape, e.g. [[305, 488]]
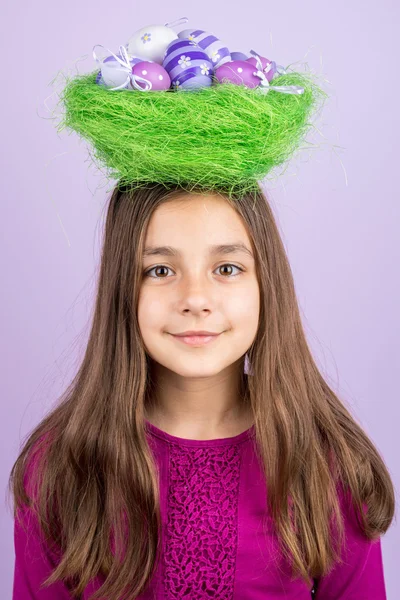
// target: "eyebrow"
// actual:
[[235, 248]]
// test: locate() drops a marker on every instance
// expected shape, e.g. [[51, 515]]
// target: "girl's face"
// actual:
[[197, 289]]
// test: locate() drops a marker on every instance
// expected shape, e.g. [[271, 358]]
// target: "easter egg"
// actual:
[[150, 42], [265, 64], [217, 52], [188, 65], [154, 73], [113, 74], [239, 72], [239, 56]]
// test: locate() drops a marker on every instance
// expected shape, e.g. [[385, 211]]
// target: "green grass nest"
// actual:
[[226, 136]]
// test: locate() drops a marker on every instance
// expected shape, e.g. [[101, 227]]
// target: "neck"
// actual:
[[199, 408]]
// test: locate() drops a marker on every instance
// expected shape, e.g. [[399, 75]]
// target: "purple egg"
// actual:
[[265, 63], [153, 72], [239, 72], [188, 65]]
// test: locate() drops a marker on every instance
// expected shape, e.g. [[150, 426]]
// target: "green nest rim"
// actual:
[[227, 137]]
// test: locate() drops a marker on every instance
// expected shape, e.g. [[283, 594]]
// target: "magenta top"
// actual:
[[212, 504]]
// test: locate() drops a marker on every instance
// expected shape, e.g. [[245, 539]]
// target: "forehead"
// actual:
[[200, 217]]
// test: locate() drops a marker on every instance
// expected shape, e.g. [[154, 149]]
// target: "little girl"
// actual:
[[198, 453], [169, 470]]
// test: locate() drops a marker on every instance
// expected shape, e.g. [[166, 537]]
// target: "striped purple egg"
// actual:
[[187, 65], [216, 51]]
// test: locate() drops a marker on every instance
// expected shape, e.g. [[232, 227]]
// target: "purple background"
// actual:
[[337, 205]]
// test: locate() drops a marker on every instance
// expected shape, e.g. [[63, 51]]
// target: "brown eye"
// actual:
[[147, 273], [230, 266], [160, 267]]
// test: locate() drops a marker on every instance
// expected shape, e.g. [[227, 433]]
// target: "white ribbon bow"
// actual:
[[177, 22], [265, 85], [130, 77]]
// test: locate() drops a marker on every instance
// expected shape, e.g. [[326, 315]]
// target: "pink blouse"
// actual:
[[212, 504]]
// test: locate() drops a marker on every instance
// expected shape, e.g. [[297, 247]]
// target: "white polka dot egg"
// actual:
[[239, 72], [153, 73]]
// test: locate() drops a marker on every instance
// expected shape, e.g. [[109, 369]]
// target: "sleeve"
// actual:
[[34, 562], [361, 575]]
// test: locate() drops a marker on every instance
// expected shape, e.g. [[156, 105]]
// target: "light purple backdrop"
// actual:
[[338, 205]]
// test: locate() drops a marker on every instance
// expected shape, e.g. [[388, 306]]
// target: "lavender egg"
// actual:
[[239, 72], [265, 63], [113, 74], [154, 73], [239, 56], [216, 51], [187, 65]]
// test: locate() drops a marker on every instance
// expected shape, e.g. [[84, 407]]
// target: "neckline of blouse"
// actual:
[[236, 439]]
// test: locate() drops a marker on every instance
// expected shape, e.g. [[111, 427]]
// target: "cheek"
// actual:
[[150, 310], [243, 306]]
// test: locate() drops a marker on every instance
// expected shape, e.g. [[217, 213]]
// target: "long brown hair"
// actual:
[[96, 467]]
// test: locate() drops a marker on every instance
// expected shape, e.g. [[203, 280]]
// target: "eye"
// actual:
[[146, 273]]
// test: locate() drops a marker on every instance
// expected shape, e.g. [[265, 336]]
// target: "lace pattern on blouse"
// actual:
[[201, 532]]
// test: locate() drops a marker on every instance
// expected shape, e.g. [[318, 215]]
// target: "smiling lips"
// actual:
[[196, 332], [200, 339]]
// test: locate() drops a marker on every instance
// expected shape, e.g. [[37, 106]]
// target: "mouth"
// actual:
[[196, 340]]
